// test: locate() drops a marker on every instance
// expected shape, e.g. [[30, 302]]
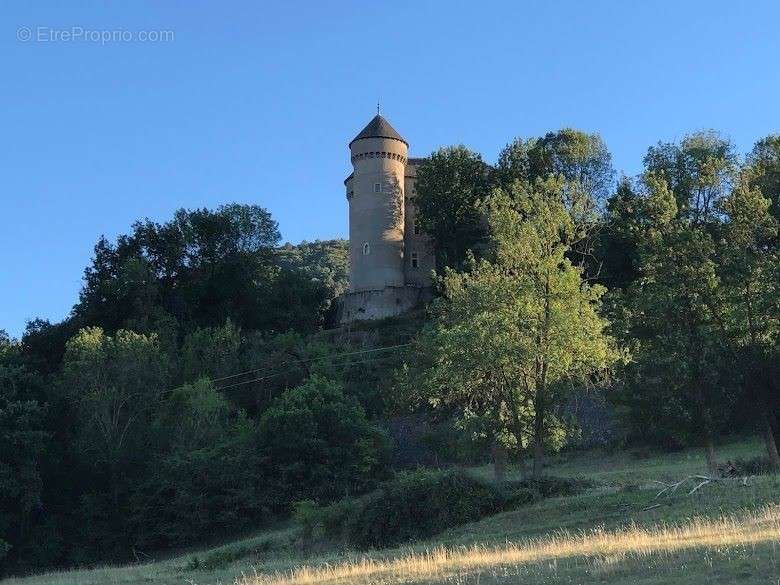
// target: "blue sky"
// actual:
[[256, 102]]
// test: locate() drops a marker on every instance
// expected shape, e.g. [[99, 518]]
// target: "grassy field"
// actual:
[[616, 532]]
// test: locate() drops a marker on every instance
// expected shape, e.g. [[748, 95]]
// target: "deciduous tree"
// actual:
[[514, 333], [450, 184]]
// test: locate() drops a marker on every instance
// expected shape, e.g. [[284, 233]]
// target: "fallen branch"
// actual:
[[698, 481]]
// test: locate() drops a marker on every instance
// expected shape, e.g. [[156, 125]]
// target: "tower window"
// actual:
[[415, 260], [377, 187], [416, 227], [366, 249]]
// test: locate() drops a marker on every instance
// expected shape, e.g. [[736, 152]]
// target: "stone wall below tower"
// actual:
[[378, 304]]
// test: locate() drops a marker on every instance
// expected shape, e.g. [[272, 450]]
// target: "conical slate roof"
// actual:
[[378, 127]]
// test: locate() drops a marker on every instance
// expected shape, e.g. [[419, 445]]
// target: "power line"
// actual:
[[335, 356], [260, 379]]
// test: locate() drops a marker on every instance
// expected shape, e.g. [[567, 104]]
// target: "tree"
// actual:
[[512, 334], [449, 186], [749, 267], [318, 444], [764, 170], [199, 268], [325, 261], [673, 309], [23, 440], [210, 352], [465, 360], [575, 156], [584, 164], [205, 479], [699, 171], [675, 305], [619, 240], [115, 383]]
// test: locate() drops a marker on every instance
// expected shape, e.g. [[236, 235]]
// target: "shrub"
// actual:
[[222, 558], [319, 444], [419, 504], [521, 496], [412, 506]]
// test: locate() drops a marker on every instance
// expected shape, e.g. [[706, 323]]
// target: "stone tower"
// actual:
[[390, 261], [376, 210]]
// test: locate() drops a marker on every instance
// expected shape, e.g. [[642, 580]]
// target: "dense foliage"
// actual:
[[688, 253], [414, 505], [119, 435], [198, 387], [512, 334], [419, 504]]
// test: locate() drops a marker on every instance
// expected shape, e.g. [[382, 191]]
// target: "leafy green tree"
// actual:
[[511, 335], [114, 384], [699, 171], [450, 184], [23, 440], [749, 268], [674, 312], [577, 157], [465, 362], [206, 480], [325, 261], [764, 170], [200, 268], [672, 307], [619, 240], [318, 443], [294, 301], [210, 352], [584, 164], [43, 344], [275, 363]]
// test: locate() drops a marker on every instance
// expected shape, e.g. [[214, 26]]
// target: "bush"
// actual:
[[521, 496], [318, 444], [223, 557], [196, 495], [412, 506], [419, 504]]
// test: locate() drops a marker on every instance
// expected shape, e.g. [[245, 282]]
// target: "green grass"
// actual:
[[624, 496]]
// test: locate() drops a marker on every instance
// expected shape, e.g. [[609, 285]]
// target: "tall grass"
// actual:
[[749, 530]]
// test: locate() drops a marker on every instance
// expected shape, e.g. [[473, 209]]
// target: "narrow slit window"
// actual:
[[416, 227], [366, 249], [415, 260], [377, 187]]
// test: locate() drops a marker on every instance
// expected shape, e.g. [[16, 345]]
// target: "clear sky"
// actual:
[[256, 101]]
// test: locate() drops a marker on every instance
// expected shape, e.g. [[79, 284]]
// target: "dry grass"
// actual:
[[609, 534], [603, 547]]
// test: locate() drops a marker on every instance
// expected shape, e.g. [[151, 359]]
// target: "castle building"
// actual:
[[390, 259]]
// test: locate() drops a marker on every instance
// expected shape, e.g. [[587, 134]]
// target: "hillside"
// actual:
[[617, 530]]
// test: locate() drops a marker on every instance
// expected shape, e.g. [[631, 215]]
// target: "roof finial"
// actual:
[[377, 107]]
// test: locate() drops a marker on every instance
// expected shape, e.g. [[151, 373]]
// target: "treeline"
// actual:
[[195, 390], [661, 289], [125, 429]]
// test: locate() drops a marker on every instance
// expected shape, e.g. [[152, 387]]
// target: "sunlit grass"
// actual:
[[603, 548], [618, 532]]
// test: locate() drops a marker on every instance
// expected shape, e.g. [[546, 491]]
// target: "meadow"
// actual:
[[618, 531]]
